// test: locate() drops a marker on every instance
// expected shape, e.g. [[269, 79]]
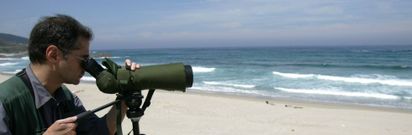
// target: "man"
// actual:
[[35, 101]]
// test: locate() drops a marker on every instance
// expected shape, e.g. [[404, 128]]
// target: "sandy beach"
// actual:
[[201, 113]]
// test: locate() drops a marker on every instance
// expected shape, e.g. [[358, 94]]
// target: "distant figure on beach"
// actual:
[[35, 101]]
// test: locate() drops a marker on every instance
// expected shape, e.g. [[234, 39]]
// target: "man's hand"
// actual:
[[65, 126], [133, 66]]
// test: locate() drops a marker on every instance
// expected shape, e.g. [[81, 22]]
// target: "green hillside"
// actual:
[[12, 45], [13, 38]]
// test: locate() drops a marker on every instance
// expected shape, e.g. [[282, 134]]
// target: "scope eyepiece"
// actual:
[[189, 75], [93, 68]]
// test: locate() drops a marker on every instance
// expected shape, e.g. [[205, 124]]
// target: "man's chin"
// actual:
[[78, 80], [74, 82]]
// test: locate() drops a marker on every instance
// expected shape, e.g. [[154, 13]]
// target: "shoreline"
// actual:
[[204, 113], [287, 101]]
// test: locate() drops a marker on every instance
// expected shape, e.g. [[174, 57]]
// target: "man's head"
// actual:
[[62, 43], [61, 31]]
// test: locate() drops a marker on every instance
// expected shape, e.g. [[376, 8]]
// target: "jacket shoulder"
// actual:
[[12, 87]]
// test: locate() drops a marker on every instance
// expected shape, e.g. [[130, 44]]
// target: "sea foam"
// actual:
[[88, 78], [392, 82], [202, 69], [229, 84], [8, 64], [338, 93], [12, 72]]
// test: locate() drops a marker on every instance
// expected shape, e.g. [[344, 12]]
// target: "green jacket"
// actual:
[[18, 102]]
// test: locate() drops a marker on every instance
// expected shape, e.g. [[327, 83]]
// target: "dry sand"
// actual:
[[200, 113]]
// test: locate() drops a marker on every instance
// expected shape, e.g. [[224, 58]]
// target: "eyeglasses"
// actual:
[[83, 60]]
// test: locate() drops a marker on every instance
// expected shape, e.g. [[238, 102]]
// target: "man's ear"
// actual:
[[53, 54]]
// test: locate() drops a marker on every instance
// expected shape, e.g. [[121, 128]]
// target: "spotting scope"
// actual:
[[117, 79]]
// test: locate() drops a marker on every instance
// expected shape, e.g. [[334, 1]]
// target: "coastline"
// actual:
[[199, 112], [287, 101]]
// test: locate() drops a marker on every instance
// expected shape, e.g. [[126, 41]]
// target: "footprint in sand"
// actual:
[[269, 103], [294, 107]]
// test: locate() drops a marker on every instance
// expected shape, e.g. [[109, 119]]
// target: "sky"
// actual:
[[223, 23]]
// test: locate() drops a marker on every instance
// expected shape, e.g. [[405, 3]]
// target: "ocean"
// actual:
[[372, 76]]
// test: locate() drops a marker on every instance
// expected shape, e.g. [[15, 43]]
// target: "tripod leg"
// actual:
[[136, 128]]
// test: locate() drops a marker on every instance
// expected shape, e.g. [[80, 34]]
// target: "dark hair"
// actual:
[[61, 30]]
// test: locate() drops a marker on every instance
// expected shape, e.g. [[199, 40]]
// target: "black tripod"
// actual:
[[134, 113]]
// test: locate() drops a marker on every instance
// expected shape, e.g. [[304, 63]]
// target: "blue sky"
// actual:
[[228, 23]]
